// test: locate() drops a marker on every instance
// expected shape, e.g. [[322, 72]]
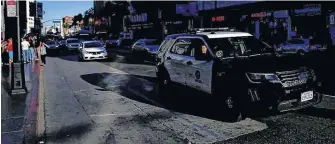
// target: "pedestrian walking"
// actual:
[[43, 52], [10, 50], [31, 49], [4, 53], [37, 48], [25, 49]]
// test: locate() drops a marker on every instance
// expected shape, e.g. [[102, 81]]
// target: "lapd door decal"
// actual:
[[197, 76]]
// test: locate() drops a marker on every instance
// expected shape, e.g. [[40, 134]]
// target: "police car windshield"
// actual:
[[224, 47]]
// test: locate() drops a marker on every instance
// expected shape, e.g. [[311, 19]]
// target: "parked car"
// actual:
[[53, 47], [145, 49], [125, 44], [72, 44], [91, 50], [62, 43], [298, 46], [237, 71], [111, 41]]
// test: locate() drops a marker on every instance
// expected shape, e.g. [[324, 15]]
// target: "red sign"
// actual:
[[11, 8], [11, 2], [259, 15], [218, 18]]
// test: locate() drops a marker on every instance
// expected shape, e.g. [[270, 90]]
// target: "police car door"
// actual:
[[199, 73], [176, 60]]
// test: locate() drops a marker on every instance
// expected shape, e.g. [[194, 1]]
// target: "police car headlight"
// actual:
[[258, 77], [86, 52]]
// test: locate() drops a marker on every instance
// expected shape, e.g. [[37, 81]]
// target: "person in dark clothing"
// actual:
[[4, 53], [43, 52]]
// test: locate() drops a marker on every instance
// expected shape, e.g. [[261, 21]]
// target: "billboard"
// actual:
[[40, 10]]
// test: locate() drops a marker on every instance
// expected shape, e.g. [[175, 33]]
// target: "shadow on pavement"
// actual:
[[144, 89], [319, 112], [96, 79], [73, 131]]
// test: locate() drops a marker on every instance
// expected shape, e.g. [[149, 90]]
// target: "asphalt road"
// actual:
[[114, 101]]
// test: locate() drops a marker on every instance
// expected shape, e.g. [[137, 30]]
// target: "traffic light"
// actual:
[[32, 9]]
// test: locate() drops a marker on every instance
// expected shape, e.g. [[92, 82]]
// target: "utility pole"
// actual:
[[18, 83]]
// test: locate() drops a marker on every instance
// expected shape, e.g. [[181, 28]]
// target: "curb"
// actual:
[[40, 128]]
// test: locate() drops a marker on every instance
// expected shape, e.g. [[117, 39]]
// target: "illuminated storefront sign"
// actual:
[[308, 10], [259, 15], [217, 18], [139, 18], [222, 4]]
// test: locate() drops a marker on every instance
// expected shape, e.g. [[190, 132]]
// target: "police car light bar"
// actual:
[[212, 29]]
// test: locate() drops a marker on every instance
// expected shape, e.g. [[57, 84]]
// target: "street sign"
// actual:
[[11, 8]]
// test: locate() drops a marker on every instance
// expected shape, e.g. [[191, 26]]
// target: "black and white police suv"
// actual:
[[238, 70]]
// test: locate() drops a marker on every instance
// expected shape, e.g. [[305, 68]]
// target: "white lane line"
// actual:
[[103, 115], [12, 131], [12, 117], [329, 96]]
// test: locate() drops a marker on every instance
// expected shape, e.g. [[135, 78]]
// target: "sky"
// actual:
[[60, 9]]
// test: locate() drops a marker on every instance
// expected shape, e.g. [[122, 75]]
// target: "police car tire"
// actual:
[[163, 85], [235, 112], [301, 53]]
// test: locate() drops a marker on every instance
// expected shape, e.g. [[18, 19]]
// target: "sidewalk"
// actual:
[[19, 113]]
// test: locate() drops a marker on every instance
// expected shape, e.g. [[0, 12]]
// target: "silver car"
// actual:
[[91, 50], [145, 49], [72, 44], [298, 46]]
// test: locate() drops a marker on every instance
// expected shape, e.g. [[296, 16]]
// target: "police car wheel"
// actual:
[[234, 110], [301, 53], [164, 85]]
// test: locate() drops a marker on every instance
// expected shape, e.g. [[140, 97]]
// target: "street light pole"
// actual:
[[18, 83]]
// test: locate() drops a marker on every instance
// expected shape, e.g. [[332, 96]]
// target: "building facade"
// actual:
[[274, 22], [156, 19], [30, 19], [98, 6], [2, 19]]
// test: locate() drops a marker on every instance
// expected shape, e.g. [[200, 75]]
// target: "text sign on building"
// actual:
[[139, 18], [258, 15], [217, 18], [11, 8]]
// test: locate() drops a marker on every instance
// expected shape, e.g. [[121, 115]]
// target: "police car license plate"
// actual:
[[306, 96]]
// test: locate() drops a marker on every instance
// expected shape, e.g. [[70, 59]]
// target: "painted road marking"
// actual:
[[329, 96]]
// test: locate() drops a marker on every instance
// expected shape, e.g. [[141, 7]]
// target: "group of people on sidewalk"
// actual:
[[33, 49]]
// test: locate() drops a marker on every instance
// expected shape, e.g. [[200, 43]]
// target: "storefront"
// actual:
[[176, 26], [309, 22], [274, 22], [270, 26], [144, 25]]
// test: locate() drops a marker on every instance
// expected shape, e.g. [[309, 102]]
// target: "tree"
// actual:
[[76, 19], [88, 14], [116, 10], [66, 27]]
